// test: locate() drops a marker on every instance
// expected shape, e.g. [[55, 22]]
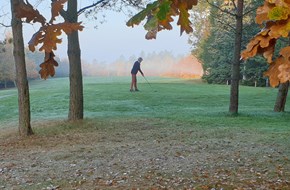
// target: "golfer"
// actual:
[[134, 71]]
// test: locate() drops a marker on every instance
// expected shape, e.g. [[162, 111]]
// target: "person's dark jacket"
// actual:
[[136, 68]]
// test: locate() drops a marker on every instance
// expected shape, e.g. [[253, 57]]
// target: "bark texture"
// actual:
[[76, 109], [281, 97], [234, 94], [21, 74]]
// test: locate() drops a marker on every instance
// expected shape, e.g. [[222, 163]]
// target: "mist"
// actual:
[[161, 64]]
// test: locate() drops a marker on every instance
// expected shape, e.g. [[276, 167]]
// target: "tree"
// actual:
[[234, 94], [70, 27], [47, 35], [281, 97], [74, 53], [21, 80], [7, 67], [213, 41], [253, 72], [284, 87], [274, 16]]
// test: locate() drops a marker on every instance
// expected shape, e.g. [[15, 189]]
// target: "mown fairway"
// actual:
[[174, 135]]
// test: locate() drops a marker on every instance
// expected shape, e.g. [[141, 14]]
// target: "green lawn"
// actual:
[[176, 134], [174, 99]]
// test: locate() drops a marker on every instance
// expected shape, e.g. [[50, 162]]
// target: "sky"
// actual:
[[111, 40]]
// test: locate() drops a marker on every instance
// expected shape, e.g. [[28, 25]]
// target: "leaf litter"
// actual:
[[142, 154]]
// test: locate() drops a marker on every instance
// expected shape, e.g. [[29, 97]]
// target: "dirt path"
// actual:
[[141, 154]]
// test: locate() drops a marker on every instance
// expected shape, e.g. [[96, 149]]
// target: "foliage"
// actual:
[[159, 16], [7, 65], [7, 68], [274, 16], [215, 47], [253, 72], [201, 26], [48, 34]]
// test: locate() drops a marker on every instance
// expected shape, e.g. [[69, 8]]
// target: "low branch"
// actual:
[[222, 10], [134, 3], [251, 10], [4, 25], [224, 23], [236, 8], [82, 10]]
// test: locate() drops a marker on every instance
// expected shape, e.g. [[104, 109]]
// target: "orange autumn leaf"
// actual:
[[263, 11], [274, 14], [284, 75], [268, 51], [166, 23], [279, 70], [47, 67], [273, 72], [48, 36], [280, 29], [261, 44], [56, 7], [68, 27], [285, 52], [30, 14], [35, 40]]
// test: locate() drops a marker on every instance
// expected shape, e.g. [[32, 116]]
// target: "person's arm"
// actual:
[[141, 72]]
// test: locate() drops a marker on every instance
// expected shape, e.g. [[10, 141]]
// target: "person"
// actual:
[[136, 67]]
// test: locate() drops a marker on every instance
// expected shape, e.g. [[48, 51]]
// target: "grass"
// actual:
[[175, 128], [173, 99]]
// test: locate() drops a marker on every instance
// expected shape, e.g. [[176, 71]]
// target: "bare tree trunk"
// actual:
[[234, 94], [281, 97], [76, 110], [21, 80]]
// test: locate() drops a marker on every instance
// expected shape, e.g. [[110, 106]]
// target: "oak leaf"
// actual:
[[47, 67], [263, 11], [27, 11], [273, 72], [48, 35], [159, 16], [280, 29], [68, 27], [183, 19], [279, 13], [262, 43], [56, 7], [138, 18], [164, 9]]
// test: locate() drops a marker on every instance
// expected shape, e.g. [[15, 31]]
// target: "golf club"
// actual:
[[149, 83]]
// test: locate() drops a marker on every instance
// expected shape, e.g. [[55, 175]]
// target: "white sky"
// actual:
[[111, 39]]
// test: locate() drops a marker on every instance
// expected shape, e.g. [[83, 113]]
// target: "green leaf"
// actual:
[[135, 20], [164, 9], [279, 13], [151, 24], [183, 20]]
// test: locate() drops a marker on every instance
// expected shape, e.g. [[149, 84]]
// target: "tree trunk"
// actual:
[[281, 97], [76, 110], [234, 94], [21, 79]]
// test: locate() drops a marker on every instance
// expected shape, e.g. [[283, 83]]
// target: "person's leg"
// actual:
[[133, 82]]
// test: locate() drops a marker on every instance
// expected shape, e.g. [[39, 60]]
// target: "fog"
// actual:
[[163, 64]]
